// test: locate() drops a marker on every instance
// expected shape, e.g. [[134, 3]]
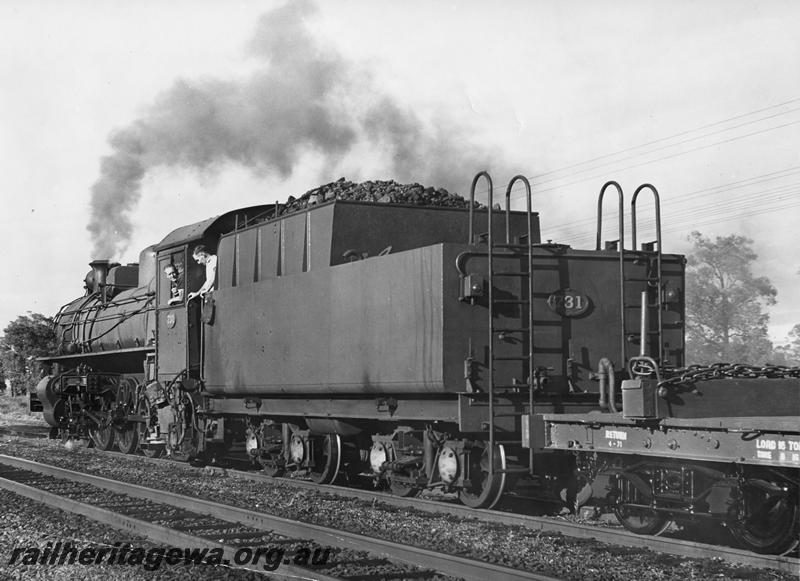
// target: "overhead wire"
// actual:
[[713, 190], [700, 209], [670, 156], [538, 182], [662, 139], [764, 202], [668, 146]]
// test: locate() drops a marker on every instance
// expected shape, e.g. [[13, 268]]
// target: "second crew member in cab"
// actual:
[[201, 255]]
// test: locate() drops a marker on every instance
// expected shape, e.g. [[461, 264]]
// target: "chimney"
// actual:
[[100, 269]]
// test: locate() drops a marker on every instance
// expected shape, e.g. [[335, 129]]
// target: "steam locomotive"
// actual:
[[429, 348]]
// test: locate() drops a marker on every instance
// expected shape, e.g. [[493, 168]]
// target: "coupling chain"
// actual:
[[688, 376]]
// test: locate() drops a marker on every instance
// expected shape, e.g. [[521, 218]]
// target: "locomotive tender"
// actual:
[[403, 343]]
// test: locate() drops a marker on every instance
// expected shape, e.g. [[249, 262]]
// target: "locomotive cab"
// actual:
[[178, 320]]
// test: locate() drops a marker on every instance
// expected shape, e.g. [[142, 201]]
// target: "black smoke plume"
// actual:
[[302, 97]]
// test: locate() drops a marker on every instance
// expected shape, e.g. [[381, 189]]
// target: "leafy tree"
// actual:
[[789, 354], [725, 302], [28, 337]]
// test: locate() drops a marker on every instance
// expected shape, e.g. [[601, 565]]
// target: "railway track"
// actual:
[[174, 519], [612, 536]]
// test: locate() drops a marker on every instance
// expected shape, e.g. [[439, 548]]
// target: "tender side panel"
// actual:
[[372, 326], [568, 345], [338, 232]]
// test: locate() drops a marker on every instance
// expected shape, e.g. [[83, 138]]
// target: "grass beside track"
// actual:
[[14, 410]]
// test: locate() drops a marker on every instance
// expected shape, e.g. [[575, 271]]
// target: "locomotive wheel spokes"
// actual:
[[147, 410], [182, 437], [483, 491], [325, 457], [127, 440], [127, 434], [103, 438], [768, 518]]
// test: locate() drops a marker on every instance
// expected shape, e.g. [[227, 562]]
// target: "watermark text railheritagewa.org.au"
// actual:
[[151, 559]]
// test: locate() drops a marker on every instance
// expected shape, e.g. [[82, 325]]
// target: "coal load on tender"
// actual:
[[389, 192]]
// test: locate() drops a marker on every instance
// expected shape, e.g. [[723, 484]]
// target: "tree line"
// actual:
[[726, 317], [726, 306], [24, 339]]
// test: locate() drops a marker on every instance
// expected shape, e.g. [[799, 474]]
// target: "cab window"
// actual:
[[172, 279]]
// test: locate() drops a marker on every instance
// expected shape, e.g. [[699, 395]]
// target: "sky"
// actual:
[[120, 122]]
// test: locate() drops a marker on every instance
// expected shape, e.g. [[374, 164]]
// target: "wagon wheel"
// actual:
[[149, 449], [103, 436], [325, 458], [484, 491], [127, 432], [768, 518], [642, 521], [637, 517]]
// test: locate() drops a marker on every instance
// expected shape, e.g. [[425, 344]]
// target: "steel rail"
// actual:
[[679, 547], [154, 532], [444, 563]]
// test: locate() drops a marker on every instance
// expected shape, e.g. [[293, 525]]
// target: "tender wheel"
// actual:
[[402, 489], [268, 440], [483, 491], [127, 432], [272, 469], [326, 454], [768, 518]]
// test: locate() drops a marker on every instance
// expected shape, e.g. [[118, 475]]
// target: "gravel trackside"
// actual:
[[551, 554]]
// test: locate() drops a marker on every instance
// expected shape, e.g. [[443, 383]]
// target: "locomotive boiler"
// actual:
[[422, 347]]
